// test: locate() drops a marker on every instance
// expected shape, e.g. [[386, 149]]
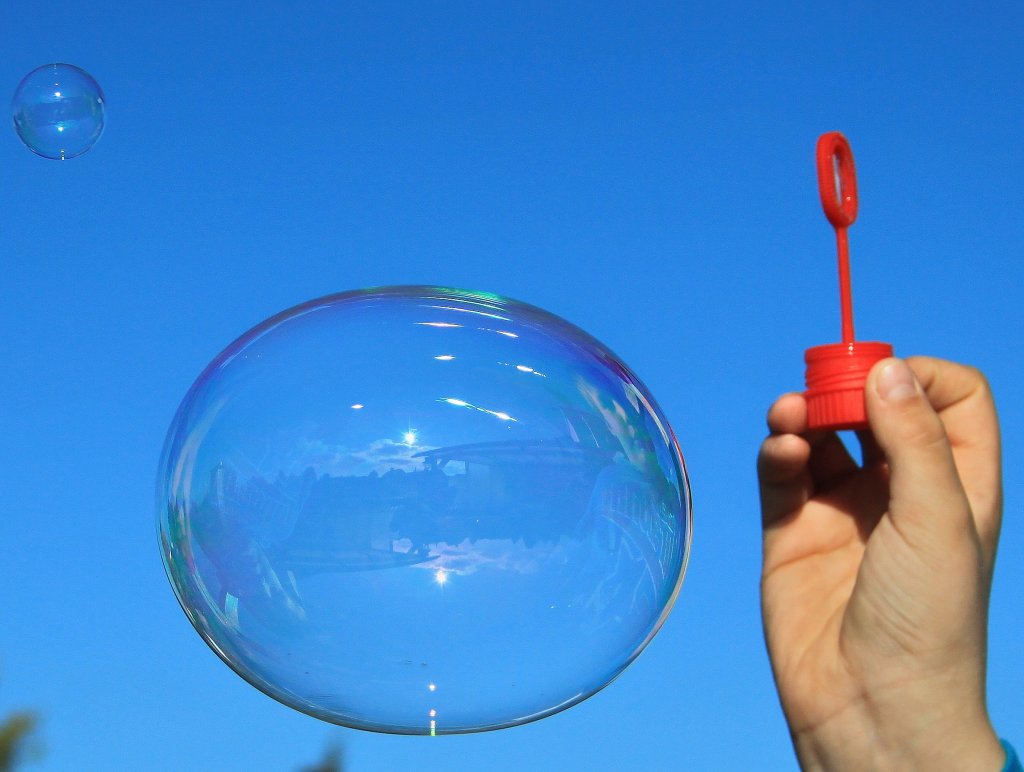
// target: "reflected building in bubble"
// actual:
[[516, 496]]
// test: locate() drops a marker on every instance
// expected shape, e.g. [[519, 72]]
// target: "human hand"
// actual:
[[876, 577]]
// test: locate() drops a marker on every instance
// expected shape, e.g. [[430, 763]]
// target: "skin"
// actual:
[[876, 576]]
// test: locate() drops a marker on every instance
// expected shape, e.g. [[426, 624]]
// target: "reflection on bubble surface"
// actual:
[[423, 511], [58, 111]]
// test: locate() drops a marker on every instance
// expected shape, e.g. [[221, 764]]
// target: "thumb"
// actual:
[[926, 498]]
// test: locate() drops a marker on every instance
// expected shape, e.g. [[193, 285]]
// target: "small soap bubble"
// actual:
[[58, 111], [408, 487]]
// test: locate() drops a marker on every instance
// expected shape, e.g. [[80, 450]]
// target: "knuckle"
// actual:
[[983, 388], [925, 433], [977, 379]]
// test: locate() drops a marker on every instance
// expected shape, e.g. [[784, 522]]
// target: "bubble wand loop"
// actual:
[[837, 185], [836, 372]]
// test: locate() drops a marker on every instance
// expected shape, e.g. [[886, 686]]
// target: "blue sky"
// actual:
[[646, 172]]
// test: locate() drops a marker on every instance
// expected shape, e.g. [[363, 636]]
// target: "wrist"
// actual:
[[960, 744]]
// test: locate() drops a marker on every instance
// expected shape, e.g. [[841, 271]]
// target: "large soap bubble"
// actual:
[[421, 510], [58, 111]]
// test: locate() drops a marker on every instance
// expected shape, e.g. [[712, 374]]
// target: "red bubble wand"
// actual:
[[836, 372]]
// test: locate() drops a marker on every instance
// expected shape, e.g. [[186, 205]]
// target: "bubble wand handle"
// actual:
[[836, 372], [837, 185]]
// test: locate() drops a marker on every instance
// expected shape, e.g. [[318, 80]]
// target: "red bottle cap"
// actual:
[[836, 372], [835, 378]]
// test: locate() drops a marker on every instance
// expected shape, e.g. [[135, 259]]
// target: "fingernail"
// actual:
[[896, 382]]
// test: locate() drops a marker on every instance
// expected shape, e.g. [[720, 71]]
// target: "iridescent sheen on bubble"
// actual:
[[423, 511], [58, 111]]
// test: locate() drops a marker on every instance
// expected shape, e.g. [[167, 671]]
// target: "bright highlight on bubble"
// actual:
[[373, 509], [58, 111]]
